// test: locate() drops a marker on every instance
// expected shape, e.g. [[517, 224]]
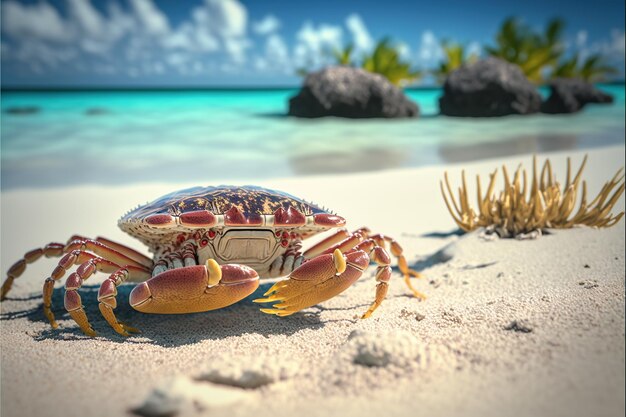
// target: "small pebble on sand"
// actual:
[[249, 373], [184, 396], [397, 347], [520, 326]]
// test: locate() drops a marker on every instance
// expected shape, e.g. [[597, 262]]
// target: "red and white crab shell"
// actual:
[[248, 225], [210, 247]]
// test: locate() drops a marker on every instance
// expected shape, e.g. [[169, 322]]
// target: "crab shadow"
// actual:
[[169, 330]]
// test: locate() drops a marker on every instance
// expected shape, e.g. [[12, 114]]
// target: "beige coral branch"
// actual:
[[546, 205]]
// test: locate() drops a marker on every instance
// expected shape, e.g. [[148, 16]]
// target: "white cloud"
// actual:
[[581, 38], [236, 48], [276, 49], [177, 59], [120, 23], [180, 38], [269, 24], [361, 36], [617, 45], [313, 45], [94, 47], [429, 52], [153, 20], [276, 56], [135, 37], [38, 21], [226, 20], [404, 50], [88, 19], [611, 49], [229, 18], [206, 41], [474, 48], [260, 64], [35, 51], [132, 33]]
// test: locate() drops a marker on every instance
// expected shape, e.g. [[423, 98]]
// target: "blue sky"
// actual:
[[242, 43]]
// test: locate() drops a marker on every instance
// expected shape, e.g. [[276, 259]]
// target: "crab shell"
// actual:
[[265, 221]]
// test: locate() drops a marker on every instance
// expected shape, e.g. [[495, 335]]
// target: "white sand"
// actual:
[[566, 288]]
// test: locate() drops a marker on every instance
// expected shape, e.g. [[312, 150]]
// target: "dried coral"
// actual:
[[516, 213]]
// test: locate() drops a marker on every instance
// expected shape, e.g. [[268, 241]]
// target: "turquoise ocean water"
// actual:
[[206, 136]]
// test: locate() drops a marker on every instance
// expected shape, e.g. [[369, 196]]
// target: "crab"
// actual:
[[211, 246]]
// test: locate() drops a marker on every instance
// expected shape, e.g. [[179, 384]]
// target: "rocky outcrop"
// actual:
[[569, 95], [350, 92], [96, 111], [22, 110], [487, 88]]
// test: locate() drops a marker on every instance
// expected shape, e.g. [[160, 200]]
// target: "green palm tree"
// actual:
[[533, 52], [455, 56], [385, 60], [343, 56], [593, 68]]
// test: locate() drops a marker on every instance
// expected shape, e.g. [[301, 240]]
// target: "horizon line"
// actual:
[[170, 88], [70, 88]]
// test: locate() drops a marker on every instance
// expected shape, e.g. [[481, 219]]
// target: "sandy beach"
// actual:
[[517, 328]]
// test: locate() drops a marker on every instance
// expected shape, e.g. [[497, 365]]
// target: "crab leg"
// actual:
[[383, 274], [73, 302], [104, 251], [382, 258], [50, 250], [186, 256], [75, 257], [397, 252], [123, 249], [64, 264], [107, 296], [287, 262], [322, 246], [101, 246]]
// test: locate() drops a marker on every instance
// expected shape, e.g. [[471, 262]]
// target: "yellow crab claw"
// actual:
[[317, 280]]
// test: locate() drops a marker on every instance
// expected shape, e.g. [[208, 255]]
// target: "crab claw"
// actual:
[[194, 289], [317, 280]]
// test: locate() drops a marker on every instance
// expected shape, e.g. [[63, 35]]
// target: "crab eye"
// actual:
[[204, 242]]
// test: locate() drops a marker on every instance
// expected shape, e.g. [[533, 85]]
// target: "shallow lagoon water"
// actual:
[[206, 136]]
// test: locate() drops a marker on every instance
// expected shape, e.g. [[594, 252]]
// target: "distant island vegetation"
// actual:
[[541, 55], [501, 81]]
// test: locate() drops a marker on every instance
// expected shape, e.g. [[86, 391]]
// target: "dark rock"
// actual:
[[350, 92], [95, 111], [569, 95], [22, 110], [486, 88], [520, 326]]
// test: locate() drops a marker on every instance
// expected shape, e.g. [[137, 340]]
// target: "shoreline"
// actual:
[[207, 136], [509, 327], [378, 160]]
